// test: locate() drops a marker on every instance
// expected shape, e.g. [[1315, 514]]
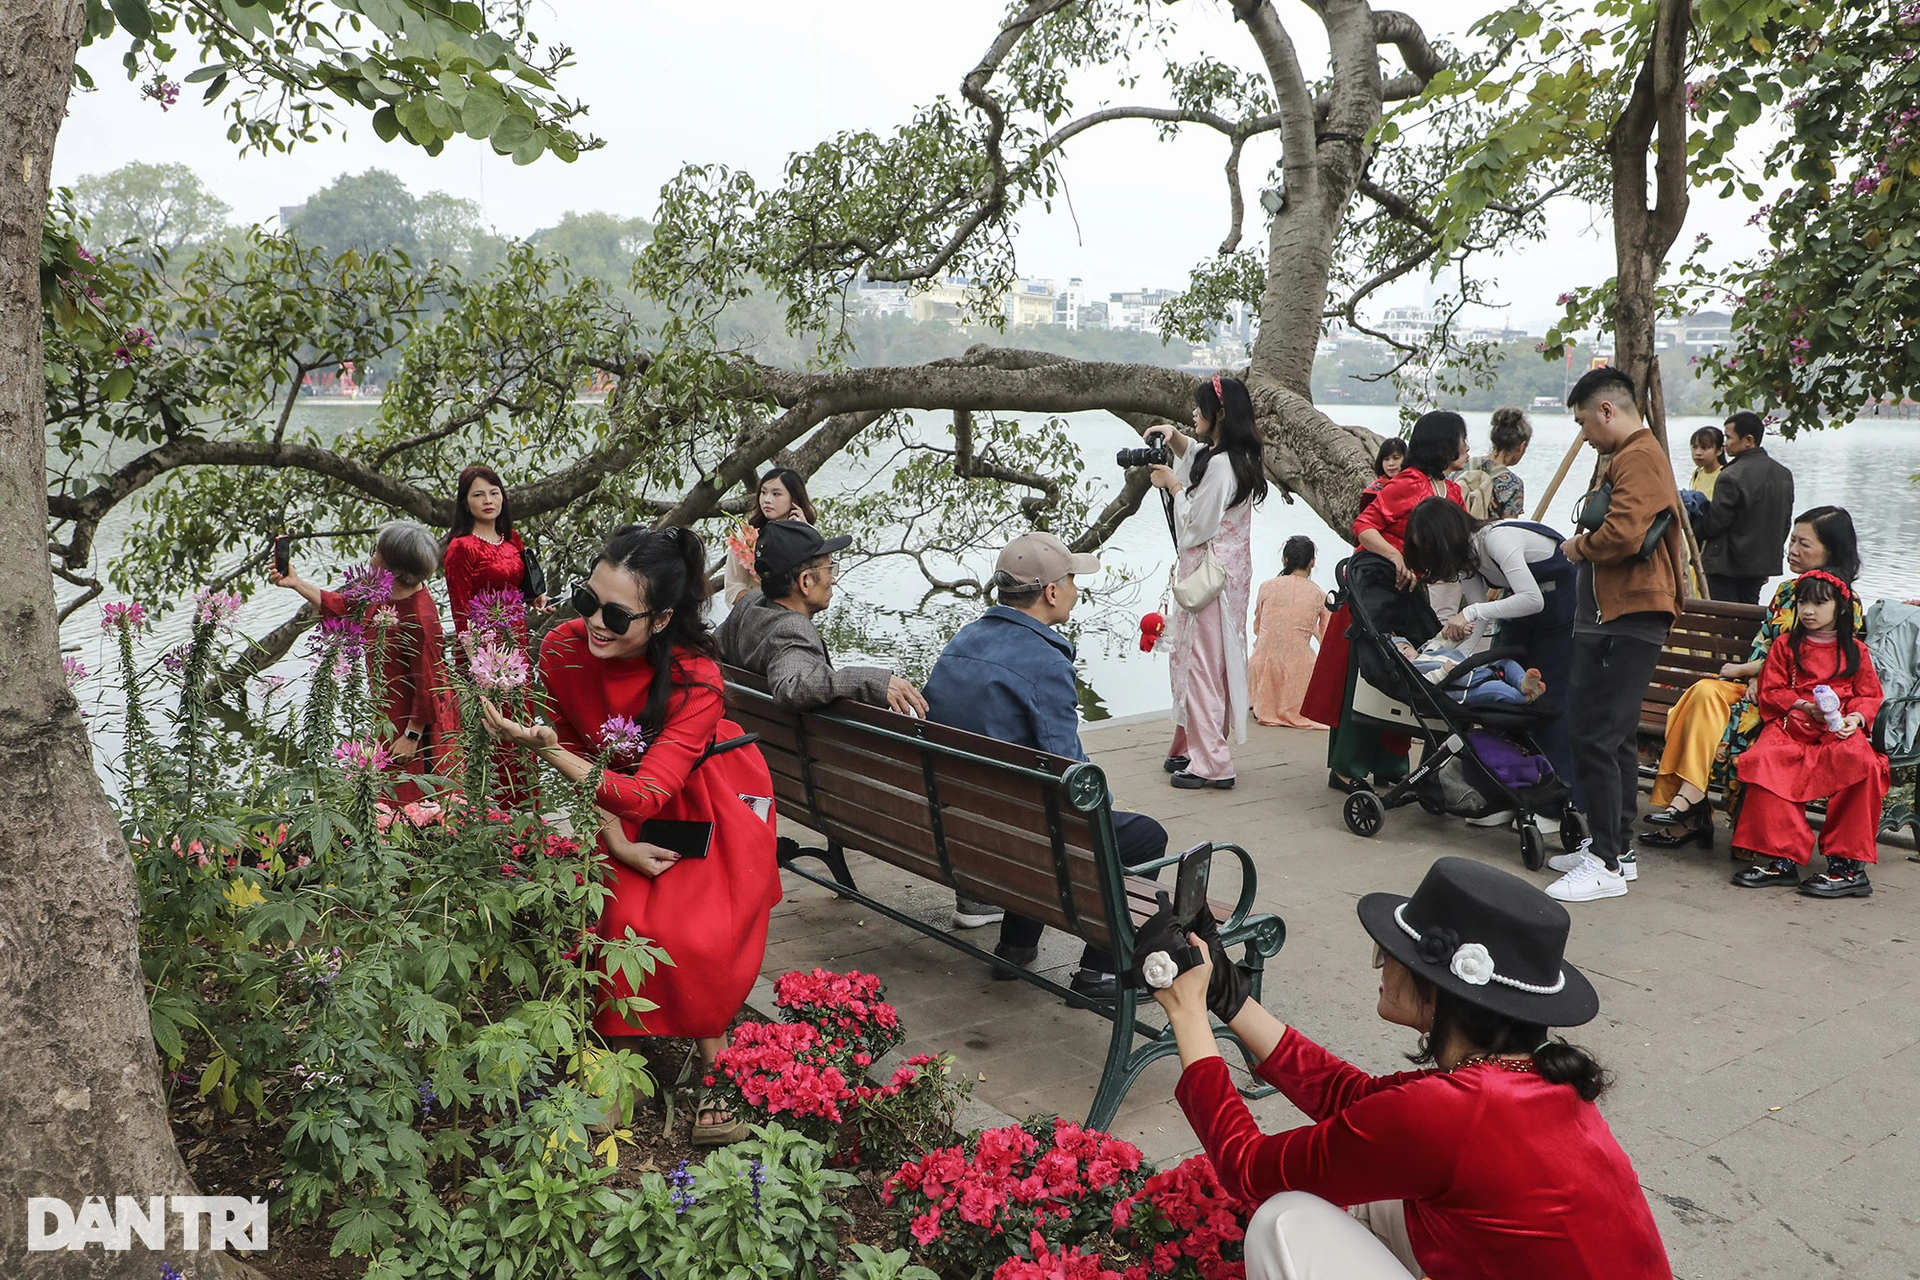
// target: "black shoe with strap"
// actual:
[[1194, 782], [1674, 814], [1347, 786], [1843, 878], [1695, 826], [1174, 764], [1768, 873]]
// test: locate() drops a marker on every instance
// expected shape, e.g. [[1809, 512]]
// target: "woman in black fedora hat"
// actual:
[[1491, 1162]]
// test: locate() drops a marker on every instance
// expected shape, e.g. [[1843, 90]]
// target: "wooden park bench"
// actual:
[[1705, 638], [1025, 830]]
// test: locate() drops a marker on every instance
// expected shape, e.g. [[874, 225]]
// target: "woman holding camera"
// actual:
[[485, 554], [1215, 481], [634, 686], [1491, 1163], [418, 704]]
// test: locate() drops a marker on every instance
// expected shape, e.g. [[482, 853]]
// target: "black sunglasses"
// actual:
[[614, 617]]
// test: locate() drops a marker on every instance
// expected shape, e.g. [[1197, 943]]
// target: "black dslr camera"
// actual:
[[1152, 455]]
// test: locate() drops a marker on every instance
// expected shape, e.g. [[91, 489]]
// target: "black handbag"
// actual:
[[1591, 513], [533, 579]]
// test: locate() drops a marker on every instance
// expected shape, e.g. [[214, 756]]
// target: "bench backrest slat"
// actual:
[[990, 818], [1710, 634]]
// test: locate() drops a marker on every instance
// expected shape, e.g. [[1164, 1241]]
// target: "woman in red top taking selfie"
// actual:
[[1493, 1163]]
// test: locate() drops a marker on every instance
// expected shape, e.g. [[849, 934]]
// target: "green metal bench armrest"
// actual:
[[1248, 880], [1883, 722]]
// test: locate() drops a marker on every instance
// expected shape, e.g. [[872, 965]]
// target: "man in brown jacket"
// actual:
[[1630, 586]]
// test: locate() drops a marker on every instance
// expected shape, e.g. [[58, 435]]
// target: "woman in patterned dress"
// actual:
[[780, 495], [1216, 480]]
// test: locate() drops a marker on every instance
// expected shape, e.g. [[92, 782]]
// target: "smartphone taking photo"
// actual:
[[1190, 886]]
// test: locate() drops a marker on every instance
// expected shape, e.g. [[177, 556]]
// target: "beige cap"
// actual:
[[1035, 559]]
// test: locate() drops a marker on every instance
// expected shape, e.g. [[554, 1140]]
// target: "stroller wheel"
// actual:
[[1364, 813], [1573, 829], [1533, 847]]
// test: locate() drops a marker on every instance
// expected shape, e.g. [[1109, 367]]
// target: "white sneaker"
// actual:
[[1588, 881], [1497, 818], [1629, 861]]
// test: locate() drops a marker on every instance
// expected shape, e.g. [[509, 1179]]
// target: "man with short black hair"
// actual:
[[1009, 675], [1744, 531], [1629, 587], [771, 633]]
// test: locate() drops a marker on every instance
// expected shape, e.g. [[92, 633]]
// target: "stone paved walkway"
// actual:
[[1767, 1045]]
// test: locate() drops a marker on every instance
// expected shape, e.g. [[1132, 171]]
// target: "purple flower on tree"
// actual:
[[624, 737], [163, 91], [367, 585]]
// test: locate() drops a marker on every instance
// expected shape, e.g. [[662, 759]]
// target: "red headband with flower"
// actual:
[[1846, 592], [1219, 396]]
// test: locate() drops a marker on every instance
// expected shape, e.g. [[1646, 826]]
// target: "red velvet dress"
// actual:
[[1505, 1175], [1796, 759], [709, 914], [473, 565], [415, 680]]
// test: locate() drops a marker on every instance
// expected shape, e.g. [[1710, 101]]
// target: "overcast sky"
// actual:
[[748, 82]]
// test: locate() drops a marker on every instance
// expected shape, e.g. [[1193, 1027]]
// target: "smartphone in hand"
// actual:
[[283, 554], [1190, 886]]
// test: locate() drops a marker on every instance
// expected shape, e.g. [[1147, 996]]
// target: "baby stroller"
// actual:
[[1390, 693]]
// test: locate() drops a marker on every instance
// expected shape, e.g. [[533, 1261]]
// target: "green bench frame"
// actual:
[[1003, 823]]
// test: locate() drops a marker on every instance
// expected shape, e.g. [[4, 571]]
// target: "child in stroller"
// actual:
[[1499, 684]]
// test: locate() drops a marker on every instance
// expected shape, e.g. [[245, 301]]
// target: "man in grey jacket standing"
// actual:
[[1744, 533], [771, 633]]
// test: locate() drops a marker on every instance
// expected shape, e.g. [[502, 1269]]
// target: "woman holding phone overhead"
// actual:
[[633, 681]]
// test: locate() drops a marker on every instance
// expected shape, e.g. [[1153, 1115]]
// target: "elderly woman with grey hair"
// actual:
[[418, 700]]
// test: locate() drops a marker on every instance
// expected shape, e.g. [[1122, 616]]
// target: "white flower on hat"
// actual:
[[1472, 964], [1159, 970]]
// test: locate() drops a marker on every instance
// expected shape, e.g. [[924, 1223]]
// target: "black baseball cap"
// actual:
[[784, 545]]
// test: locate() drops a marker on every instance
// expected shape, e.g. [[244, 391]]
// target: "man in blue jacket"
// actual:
[[1009, 675]]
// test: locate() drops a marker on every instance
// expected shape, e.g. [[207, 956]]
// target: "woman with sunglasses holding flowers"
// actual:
[[635, 690]]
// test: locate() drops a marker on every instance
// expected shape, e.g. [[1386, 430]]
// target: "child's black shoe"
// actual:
[[1844, 878], [1763, 875]]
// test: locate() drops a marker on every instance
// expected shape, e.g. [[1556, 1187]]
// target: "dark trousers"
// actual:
[[1140, 839], [1547, 640], [1610, 678], [1731, 590]]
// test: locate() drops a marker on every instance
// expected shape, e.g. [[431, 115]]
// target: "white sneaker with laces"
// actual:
[[1629, 861], [1588, 881]]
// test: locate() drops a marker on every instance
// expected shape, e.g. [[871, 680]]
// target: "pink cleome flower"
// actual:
[[129, 615], [498, 669], [361, 757]]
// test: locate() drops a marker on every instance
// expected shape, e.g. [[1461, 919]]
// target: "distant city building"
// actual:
[[1138, 310]]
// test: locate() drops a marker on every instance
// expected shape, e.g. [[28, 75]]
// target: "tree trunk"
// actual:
[[82, 1112]]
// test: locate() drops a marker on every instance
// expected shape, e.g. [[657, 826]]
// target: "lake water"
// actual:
[[1863, 467]]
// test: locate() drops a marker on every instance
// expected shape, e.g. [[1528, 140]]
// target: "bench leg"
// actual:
[[833, 858], [1120, 1071]]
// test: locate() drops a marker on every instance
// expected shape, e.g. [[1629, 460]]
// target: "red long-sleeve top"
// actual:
[[473, 565], [413, 675], [1796, 757], [1506, 1176], [1395, 501]]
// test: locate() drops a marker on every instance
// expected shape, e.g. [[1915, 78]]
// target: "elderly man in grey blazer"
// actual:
[[771, 633]]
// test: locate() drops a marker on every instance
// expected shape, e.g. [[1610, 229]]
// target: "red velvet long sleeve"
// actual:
[[1505, 1176], [1396, 500], [582, 705]]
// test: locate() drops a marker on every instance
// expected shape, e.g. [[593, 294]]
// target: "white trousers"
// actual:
[[1298, 1236]]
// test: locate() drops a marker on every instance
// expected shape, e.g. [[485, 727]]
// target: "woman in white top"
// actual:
[[1215, 481], [1534, 611]]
